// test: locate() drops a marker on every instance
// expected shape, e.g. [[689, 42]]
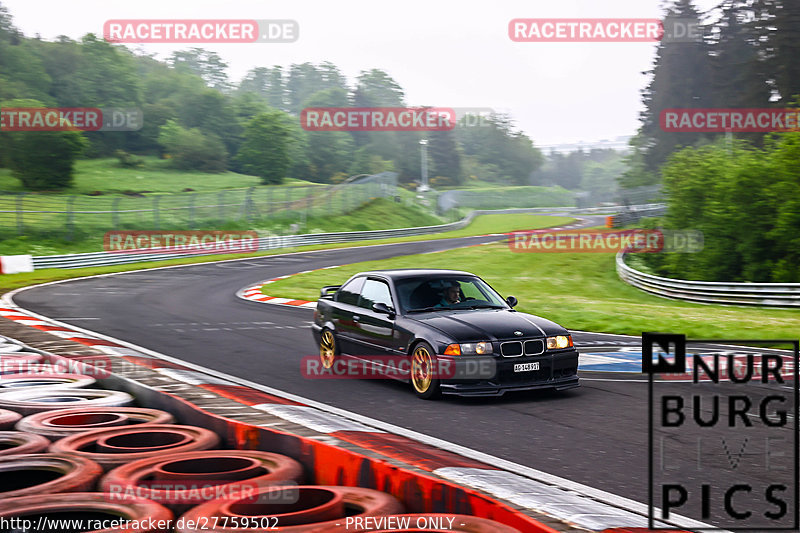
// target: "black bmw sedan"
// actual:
[[444, 331]]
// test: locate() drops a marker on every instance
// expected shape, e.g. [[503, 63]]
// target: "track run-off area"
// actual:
[[596, 435]]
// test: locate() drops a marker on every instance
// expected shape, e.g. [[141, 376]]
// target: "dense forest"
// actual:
[[741, 190], [199, 118]]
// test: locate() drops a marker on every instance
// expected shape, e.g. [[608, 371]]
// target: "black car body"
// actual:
[[493, 348]]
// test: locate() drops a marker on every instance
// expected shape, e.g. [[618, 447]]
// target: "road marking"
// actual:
[[615, 502]]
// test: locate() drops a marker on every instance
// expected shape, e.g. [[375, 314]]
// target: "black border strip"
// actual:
[[735, 343]]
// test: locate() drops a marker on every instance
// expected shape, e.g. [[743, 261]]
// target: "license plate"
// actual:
[[526, 367]]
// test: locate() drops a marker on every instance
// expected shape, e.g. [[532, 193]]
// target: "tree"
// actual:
[[679, 80], [191, 149], [41, 160], [776, 23], [265, 150], [495, 143], [445, 155], [329, 152], [267, 83], [745, 201], [306, 79], [208, 65], [22, 74]]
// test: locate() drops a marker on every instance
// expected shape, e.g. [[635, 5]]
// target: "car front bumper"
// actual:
[[557, 370]]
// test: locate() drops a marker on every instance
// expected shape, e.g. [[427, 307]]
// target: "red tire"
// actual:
[[115, 446], [17, 442], [30, 401], [430, 523], [291, 509], [8, 418], [182, 479], [90, 508], [45, 473], [58, 424]]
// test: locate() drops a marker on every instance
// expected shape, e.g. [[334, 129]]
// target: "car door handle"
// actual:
[[356, 318]]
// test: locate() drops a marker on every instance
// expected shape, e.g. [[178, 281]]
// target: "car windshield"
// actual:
[[432, 293]]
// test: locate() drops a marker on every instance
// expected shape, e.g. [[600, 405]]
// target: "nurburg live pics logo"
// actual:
[[718, 444]]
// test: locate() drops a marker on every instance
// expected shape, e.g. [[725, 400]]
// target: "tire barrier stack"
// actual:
[[89, 456], [62, 423]]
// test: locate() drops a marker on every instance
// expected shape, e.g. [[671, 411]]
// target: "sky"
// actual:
[[444, 53]]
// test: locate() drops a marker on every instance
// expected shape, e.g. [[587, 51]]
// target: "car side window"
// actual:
[[349, 293], [472, 291], [374, 292]]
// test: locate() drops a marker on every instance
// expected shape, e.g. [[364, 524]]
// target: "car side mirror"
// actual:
[[384, 309], [512, 301]]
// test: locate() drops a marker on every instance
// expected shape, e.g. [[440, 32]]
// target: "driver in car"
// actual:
[[452, 295]]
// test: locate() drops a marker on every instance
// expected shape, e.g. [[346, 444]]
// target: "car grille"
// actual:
[[518, 348]]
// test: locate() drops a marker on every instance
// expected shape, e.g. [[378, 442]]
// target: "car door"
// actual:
[[374, 332], [346, 312]]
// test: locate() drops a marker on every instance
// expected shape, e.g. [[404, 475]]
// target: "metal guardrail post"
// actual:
[[20, 222], [191, 210], [115, 212], [156, 221], [248, 199], [70, 222]]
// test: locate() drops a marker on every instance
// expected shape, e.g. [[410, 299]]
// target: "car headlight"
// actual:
[[469, 348], [559, 342]]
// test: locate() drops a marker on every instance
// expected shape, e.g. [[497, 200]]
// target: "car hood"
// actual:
[[489, 324]]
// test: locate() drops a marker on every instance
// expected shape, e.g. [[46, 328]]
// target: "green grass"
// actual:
[[155, 176], [150, 198], [378, 213], [479, 226], [579, 291]]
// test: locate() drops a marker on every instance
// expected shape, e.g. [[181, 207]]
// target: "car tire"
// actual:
[[423, 361], [328, 348]]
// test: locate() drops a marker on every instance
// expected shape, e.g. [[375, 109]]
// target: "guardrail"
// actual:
[[711, 292], [634, 213], [289, 241]]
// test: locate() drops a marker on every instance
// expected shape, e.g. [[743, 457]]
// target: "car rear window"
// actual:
[[350, 292]]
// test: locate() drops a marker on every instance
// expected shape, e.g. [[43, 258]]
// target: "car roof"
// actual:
[[399, 273]]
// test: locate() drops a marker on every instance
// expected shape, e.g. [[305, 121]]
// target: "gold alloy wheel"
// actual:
[[421, 372], [327, 348]]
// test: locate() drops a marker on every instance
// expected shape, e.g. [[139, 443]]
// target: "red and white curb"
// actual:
[[254, 293], [530, 489], [534, 490]]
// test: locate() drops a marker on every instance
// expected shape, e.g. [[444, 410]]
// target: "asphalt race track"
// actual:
[[596, 434]]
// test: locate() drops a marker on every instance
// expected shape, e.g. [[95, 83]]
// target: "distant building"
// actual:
[[618, 143]]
